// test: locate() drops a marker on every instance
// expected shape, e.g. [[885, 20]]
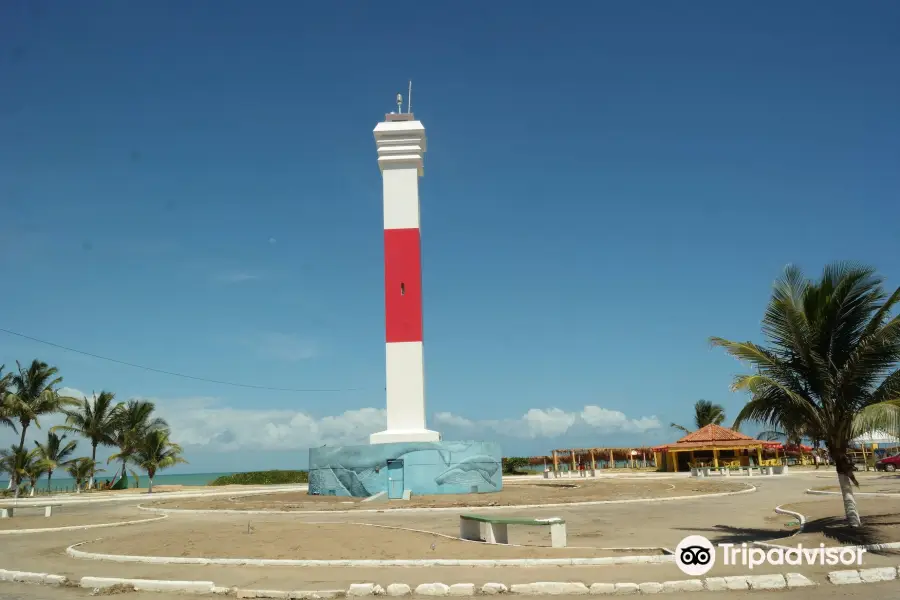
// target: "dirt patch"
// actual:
[[826, 522], [510, 495], [328, 541]]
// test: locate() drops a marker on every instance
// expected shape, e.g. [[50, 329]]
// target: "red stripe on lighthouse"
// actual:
[[402, 285]]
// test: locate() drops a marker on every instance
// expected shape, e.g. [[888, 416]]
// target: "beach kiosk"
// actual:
[[714, 446]]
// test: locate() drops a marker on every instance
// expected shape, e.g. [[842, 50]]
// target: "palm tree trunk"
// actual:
[[150, 487], [90, 484], [49, 477], [17, 480], [846, 478], [849, 500], [22, 437]]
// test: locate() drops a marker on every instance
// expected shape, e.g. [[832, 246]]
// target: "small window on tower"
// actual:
[[402, 289]]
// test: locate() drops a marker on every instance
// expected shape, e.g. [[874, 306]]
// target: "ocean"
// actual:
[[61, 484]]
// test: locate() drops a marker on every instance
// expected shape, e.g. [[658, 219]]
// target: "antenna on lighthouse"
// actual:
[[399, 103], [409, 98]]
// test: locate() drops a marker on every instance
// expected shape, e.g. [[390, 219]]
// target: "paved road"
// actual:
[[869, 591]]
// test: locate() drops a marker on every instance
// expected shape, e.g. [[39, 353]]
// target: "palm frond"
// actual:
[[884, 416]]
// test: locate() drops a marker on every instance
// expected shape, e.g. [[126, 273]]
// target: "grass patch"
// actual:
[[262, 478]]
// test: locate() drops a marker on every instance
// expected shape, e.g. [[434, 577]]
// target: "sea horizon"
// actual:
[[192, 479]]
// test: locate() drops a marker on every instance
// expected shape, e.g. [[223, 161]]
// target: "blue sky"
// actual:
[[193, 187]]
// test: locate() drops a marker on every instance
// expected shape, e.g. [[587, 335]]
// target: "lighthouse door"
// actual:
[[395, 479]]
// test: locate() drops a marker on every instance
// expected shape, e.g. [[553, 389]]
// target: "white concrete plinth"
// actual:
[[48, 511], [496, 533], [558, 535], [6, 513], [401, 435], [469, 530]]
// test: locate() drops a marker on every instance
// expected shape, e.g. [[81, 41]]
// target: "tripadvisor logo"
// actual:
[[695, 555]]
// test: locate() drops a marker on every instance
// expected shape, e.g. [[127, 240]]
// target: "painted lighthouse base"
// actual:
[[423, 468]]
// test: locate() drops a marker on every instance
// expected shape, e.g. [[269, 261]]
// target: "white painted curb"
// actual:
[[27, 577], [868, 494], [428, 562], [873, 575], [73, 499], [542, 588], [800, 518], [78, 527], [750, 489], [783, 511], [149, 585]]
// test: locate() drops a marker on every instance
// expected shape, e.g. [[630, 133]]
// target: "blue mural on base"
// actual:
[[421, 467]]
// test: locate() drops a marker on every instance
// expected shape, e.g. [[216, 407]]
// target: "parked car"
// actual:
[[888, 463]]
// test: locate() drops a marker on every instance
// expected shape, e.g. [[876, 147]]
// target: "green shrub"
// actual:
[[514, 465], [262, 478]]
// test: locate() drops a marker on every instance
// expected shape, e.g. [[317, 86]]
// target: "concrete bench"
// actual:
[[7, 512], [495, 528]]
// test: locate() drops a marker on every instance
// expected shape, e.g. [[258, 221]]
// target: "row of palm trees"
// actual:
[[29, 394]]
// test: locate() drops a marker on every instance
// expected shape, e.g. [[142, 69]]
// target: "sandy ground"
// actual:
[[871, 483], [746, 517], [331, 541], [826, 522], [32, 517], [519, 493]]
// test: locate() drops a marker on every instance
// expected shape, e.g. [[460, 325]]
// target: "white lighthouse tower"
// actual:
[[400, 140]]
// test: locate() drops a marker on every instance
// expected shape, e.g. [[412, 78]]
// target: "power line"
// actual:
[[172, 373]]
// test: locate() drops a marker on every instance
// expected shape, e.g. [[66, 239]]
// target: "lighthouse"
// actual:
[[400, 140], [406, 458]]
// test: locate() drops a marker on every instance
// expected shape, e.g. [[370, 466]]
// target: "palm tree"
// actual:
[[5, 413], [135, 420], [95, 420], [34, 395], [705, 413], [80, 470], [14, 462], [33, 469], [155, 452], [54, 454], [831, 363]]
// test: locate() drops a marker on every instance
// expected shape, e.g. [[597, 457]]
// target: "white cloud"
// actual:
[[613, 420], [548, 423], [69, 392], [205, 423]]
